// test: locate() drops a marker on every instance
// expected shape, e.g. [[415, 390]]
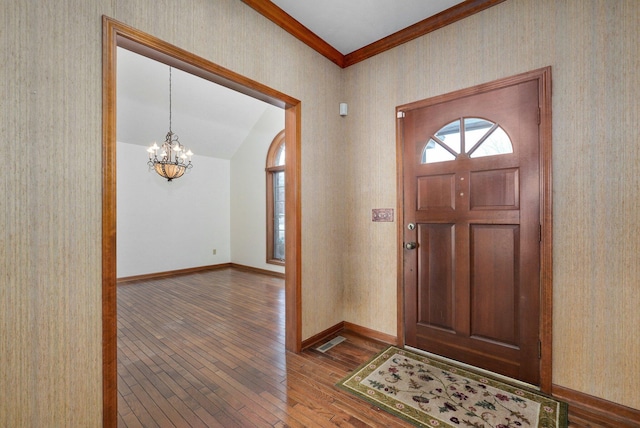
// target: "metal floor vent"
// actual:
[[330, 344]]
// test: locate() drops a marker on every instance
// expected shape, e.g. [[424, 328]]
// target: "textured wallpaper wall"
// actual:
[[594, 52], [50, 115]]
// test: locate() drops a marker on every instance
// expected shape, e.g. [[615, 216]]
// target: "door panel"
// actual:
[[494, 283], [494, 189], [435, 286], [471, 286], [436, 192]]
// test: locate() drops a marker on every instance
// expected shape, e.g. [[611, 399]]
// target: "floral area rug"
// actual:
[[429, 393]]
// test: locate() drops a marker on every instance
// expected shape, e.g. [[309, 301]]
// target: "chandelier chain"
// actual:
[[169, 99]]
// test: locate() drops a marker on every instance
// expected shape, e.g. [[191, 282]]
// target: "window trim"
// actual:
[[271, 169]]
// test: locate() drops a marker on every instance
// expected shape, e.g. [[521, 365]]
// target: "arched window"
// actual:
[[472, 136], [275, 200]]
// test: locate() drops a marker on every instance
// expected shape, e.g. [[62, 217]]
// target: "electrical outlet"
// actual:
[[214, 252]]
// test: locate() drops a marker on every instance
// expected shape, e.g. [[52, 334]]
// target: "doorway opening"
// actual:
[[116, 34]]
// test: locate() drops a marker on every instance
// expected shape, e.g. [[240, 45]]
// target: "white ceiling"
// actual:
[[212, 120], [349, 25], [209, 119]]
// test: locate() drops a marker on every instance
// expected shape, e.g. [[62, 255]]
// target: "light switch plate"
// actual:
[[382, 214]]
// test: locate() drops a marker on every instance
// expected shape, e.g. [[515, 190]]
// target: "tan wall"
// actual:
[[595, 54], [50, 209]]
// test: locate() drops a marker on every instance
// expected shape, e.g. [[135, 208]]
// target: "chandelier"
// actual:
[[174, 159]]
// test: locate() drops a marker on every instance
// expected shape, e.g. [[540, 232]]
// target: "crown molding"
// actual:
[[285, 21], [435, 22]]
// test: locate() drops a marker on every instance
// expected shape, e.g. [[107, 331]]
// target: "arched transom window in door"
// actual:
[[471, 137], [275, 200]]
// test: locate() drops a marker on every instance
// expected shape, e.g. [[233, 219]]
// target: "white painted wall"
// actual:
[[164, 226], [248, 193], [219, 204]]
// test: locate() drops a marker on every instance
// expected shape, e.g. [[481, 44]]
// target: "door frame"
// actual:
[[116, 34], [543, 76]]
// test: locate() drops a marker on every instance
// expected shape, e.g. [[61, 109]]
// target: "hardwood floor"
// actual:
[[207, 350]]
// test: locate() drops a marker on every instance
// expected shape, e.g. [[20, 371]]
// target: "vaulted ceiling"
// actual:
[[210, 119]]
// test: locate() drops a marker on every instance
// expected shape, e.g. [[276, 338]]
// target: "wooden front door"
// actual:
[[472, 228]]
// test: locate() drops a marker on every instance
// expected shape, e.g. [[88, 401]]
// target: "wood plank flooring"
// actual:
[[207, 350]]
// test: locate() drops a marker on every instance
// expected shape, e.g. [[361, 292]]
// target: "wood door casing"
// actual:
[[118, 34], [472, 286]]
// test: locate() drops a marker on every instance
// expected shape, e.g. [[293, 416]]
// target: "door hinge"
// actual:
[[400, 115], [539, 116], [540, 233], [539, 349]]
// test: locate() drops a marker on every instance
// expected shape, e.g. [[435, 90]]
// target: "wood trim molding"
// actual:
[[589, 411], [176, 272], [285, 21], [400, 227], [435, 22], [293, 226], [371, 334], [353, 328], [156, 275], [289, 24], [271, 169], [323, 335], [257, 270], [116, 34], [546, 219], [109, 296]]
